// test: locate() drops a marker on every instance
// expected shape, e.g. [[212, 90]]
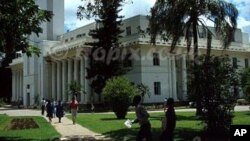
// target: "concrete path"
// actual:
[[69, 131], [66, 128]]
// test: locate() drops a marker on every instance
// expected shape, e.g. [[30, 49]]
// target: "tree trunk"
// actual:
[[209, 43], [196, 75]]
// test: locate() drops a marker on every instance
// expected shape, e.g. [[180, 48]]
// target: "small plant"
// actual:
[[143, 90], [74, 88], [36, 101], [119, 92], [2, 102]]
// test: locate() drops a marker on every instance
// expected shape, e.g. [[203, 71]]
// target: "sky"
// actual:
[[135, 7]]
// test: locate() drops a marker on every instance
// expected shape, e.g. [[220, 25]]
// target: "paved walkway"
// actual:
[[69, 131], [66, 128]]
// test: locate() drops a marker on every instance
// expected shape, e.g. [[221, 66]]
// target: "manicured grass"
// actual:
[[44, 132], [188, 126], [241, 118]]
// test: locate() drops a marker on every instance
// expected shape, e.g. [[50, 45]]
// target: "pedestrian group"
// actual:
[[56, 109]]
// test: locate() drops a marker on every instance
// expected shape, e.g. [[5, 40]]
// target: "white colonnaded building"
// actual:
[[63, 60]]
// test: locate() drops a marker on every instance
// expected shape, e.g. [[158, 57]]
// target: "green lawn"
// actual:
[[44, 132], [188, 126]]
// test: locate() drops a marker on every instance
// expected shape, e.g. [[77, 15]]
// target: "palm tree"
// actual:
[[173, 19]]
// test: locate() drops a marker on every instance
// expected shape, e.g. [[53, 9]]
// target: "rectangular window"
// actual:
[[157, 88], [235, 62], [128, 30], [246, 63], [156, 59]]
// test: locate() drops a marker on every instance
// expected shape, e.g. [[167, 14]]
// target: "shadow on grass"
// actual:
[[178, 118], [156, 117], [187, 134], [181, 134], [123, 134], [247, 113], [22, 139], [181, 118]]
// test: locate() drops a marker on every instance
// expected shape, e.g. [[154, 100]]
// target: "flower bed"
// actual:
[[22, 123]]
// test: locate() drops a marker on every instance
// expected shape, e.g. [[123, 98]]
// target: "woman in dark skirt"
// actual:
[[59, 110], [49, 109]]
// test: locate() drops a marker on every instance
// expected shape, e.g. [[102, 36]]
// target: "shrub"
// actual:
[[119, 92], [217, 85], [245, 83], [74, 89], [2, 102]]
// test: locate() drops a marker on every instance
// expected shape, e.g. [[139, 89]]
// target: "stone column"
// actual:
[[18, 85], [13, 85], [184, 77], [64, 79], [76, 69], [82, 78], [59, 81], [170, 82], [53, 86], [69, 75], [22, 85], [76, 73], [174, 79], [49, 77], [87, 88]]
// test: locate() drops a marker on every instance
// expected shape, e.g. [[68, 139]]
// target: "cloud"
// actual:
[[130, 8], [70, 8], [242, 22], [137, 7], [243, 7], [143, 7]]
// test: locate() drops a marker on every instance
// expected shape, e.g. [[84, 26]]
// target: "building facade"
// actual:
[[26, 71], [65, 59]]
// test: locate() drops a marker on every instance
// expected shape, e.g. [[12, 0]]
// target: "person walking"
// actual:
[[165, 105], [74, 108], [49, 109], [43, 103], [168, 133], [142, 115], [59, 110], [54, 108]]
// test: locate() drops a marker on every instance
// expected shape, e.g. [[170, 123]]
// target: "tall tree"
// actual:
[[217, 80], [105, 49], [174, 18], [18, 20]]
